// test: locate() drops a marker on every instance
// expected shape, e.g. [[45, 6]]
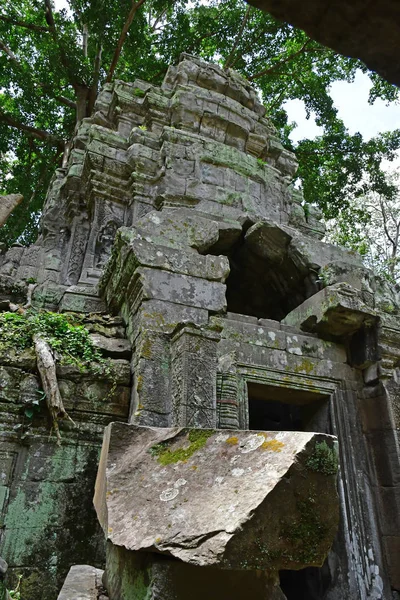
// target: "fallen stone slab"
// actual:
[[83, 582], [243, 500]]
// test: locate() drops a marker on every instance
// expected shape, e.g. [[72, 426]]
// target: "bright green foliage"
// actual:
[[52, 64], [323, 460], [69, 339], [339, 167]]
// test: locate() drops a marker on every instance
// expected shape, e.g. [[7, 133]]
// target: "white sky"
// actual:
[[351, 100]]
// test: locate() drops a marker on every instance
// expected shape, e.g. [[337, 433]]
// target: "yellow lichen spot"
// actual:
[[140, 407], [110, 529], [305, 366], [146, 348], [233, 440], [194, 467], [273, 445], [139, 383], [158, 540]]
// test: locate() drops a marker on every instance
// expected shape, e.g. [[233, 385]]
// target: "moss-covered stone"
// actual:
[[197, 438]]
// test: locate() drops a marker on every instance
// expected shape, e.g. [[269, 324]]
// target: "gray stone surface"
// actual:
[[336, 311], [82, 583], [205, 497], [114, 348]]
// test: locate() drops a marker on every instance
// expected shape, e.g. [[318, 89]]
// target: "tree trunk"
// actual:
[[82, 92], [7, 205], [47, 370]]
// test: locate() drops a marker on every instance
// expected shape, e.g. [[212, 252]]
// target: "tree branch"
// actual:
[[24, 24], [238, 38], [52, 27], [251, 45], [9, 52], [158, 19], [122, 37], [39, 134], [95, 80], [284, 61], [385, 227], [62, 99]]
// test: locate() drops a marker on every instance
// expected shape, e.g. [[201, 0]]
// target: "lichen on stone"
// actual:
[[273, 445], [165, 456], [232, 440]]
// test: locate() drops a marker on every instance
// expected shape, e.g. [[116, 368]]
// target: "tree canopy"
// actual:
[[371, 227], [52, 63]]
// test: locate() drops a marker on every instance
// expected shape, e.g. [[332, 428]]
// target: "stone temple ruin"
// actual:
[[244, 354]]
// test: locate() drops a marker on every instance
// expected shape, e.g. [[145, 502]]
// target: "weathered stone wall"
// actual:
[[46, 490]]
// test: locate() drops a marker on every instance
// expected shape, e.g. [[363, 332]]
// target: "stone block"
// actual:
[[183, 289], [206, 496], [389, 512], [185, 261], [82, 583], [391, 545], [81, 302], [375, 410], [384, 446], [193, 377], [335, 312], [114, 348], [166, 315]]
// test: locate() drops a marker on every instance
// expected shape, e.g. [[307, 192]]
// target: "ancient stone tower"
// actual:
[[240, 346]]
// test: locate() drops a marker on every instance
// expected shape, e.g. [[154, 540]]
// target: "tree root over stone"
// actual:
[[47, 370]]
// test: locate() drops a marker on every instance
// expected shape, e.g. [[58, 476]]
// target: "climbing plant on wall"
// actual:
[[52, 62]]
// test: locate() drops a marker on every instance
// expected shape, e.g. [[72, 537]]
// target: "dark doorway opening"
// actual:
[[274, 408], [307, 584], [265, 281]]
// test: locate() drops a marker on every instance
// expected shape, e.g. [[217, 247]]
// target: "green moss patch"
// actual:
[[65, 334], [307, 534], [138, 92], [323, 460], [166, 456]]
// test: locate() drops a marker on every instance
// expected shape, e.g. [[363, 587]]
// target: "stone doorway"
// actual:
[[277, 408], [307, 584]]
